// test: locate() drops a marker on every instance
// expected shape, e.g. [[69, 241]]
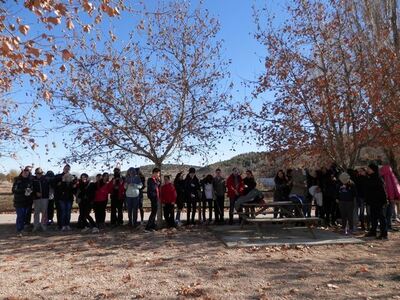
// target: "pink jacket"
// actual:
[[391, 183]]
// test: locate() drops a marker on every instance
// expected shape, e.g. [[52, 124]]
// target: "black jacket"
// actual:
[[19, 188], [63, 191], [249, 184], [41, 185], [192, 188], [375, 194]]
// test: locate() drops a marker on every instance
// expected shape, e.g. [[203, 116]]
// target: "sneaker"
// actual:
[[19, 234], [68, 228], [86, 229], [35, 229], [64, 228], [382, 237], [44, 227], [95, 230]]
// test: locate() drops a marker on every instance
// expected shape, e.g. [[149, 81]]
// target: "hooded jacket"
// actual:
[[392, 186]]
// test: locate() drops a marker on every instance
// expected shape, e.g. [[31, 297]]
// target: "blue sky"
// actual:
[[237, 28]]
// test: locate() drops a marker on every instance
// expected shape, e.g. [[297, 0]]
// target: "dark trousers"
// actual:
[[207, 203], [116, 211], [169, 214], [100, 212], [65, 208], [219, 208], [50, 210], [378, 214], [28, 215], [21, 217], [191, 210], [151, 223], [232, 208], [141, 210], [85, 218], [347, 213]]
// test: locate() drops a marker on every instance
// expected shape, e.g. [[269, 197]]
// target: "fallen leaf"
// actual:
[[126, 278]]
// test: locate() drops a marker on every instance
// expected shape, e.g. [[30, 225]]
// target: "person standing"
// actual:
[[41, 200], [143, 179], [362, 207], [101, 200], [219, 186], [153, 193], [64, 194], [84, 199], [192, 191], [50, 207], [375, 197], [116, 186], [168, 199], [392, 188], [179, 184], [133, 184], [280, 190], [346, 198], [207, 197], [235, 186], [22, 189]]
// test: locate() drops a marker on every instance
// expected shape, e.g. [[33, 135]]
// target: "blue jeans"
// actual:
[[65, 207], [21, 216], [133, 205]]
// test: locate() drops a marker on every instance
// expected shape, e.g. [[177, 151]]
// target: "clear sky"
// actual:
[[237, 28]]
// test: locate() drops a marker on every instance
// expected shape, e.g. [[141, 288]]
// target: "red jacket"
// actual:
[[230, 186], [102, 192], [121, 189], [168, 194]]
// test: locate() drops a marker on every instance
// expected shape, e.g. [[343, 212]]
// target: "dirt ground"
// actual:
[[190, 263]]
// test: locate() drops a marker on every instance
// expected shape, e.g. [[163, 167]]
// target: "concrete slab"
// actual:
[[275, 235]]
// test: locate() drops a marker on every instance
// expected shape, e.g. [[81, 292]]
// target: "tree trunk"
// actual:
[[159, 219]]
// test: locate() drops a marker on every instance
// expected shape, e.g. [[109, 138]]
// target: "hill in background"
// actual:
[[255, 161]]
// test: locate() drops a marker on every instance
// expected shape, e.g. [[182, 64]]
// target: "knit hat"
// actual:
[[344, 177], [192, 170]]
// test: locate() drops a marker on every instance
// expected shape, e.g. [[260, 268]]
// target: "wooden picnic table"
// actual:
[[290, 213]]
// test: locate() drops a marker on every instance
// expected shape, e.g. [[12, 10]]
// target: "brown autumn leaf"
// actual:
[[61, 8], [26, 130], [70, 24], [47, 95], [24, 29], [66, 54], [6, 47], [49, 58], [88, 6], [62, 68], [33, 51], [53, 20], [42, 76], [126, 278], [87, 28]]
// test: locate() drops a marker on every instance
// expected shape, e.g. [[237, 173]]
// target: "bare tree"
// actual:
[[160, 94]]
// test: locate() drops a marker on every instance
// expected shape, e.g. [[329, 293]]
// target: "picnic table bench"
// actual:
[[290, 212]]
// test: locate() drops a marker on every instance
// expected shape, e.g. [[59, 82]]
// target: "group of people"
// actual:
[[367, 195], [45, 193]]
